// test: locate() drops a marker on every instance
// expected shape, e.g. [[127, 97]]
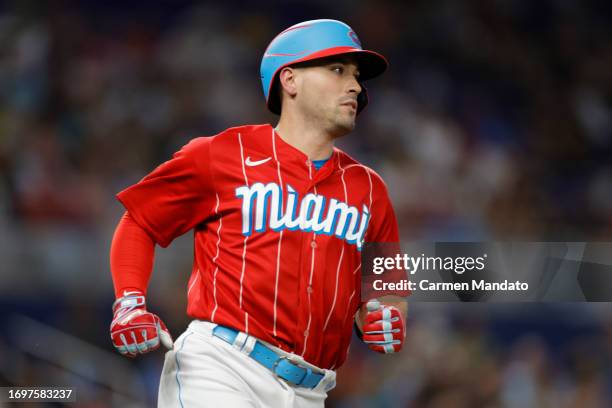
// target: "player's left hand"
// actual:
[[383, 328]]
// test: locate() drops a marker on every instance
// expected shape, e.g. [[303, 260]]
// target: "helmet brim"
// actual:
[[371, 64]]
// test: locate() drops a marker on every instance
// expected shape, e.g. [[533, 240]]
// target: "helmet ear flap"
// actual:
[[362, 99]]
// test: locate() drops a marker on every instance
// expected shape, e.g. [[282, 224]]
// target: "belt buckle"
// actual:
[[277, 362]]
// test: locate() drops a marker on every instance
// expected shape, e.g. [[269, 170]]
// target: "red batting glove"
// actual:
[[134, 330], [384, 328]]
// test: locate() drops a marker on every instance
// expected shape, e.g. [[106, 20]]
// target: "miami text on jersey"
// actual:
[[266, 202]]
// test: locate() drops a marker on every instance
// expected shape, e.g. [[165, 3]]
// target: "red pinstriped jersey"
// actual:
[[277, 242]]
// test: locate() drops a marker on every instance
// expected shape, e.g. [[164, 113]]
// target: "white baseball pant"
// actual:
[[203, 370]]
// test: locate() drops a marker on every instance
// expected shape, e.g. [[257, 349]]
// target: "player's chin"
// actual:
[[345, 124]]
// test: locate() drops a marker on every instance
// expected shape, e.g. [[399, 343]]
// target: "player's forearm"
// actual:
[[131, 257]]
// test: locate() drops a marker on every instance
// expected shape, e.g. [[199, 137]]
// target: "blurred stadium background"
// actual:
[[494, 121]]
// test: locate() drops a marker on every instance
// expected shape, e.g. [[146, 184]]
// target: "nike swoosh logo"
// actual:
[[251, 163], [126, 293]]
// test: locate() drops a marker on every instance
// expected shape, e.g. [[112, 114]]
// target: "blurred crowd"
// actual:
[[483, 355], [494, 118], [494, 121]]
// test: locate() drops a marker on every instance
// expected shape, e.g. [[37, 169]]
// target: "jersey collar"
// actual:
[[287, 153]]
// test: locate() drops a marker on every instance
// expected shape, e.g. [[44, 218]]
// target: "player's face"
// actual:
[[327, 94]]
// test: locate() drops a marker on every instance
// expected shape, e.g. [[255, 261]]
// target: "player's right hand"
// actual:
[[134, 330]]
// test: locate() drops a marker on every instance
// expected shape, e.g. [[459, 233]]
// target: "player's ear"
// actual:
[[287, 80]]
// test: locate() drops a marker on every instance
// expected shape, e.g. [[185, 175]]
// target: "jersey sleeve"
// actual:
[[383, 225], [382, 240], [176, 196]]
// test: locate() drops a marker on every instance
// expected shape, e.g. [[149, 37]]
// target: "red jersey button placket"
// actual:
[[309, 247]]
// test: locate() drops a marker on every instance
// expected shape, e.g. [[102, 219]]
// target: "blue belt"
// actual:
[[278, 364]]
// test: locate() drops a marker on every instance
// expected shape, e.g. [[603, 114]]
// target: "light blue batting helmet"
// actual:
[[311, 40]]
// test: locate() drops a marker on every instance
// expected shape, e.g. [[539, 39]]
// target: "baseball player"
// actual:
[[280, 217]]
